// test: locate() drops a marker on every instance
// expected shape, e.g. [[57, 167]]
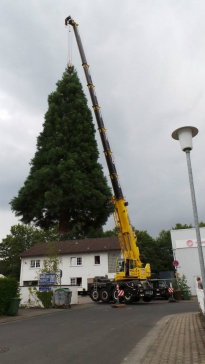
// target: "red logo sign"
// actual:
[[189, 243]]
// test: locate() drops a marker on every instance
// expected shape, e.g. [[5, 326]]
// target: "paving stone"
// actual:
[[181, 341]]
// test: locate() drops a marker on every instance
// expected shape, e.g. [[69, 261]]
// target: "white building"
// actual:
[[185, 252], [80, 261]]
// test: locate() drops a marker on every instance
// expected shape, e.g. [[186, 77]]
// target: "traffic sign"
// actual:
[[175, 263], [47, 278], [171, 290], [44, 288]]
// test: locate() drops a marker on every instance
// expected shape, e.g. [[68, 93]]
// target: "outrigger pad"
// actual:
[[119, 305]]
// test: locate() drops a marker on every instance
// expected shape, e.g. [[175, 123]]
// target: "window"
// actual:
[[38, 264], [35, 263], [75, 261], [76, 281], [97, 259], [32, 265], [30, 283]]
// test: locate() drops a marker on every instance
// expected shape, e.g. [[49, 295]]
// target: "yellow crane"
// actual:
[[130, 267]]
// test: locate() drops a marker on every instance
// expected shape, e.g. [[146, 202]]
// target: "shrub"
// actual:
[[180, 284], [8, 289], [45, 297]]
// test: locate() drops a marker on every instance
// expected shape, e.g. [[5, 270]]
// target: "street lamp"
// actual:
[[185, 135]]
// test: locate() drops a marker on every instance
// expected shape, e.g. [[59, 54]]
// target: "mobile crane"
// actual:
[[130, 276]]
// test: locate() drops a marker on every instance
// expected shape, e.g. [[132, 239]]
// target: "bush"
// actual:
[[45, 297], [8, 289], [180, 284]]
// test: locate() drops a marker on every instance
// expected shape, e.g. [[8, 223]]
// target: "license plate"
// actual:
[[149, 292]]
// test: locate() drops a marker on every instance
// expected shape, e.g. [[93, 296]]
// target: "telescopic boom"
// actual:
[[131, 266]]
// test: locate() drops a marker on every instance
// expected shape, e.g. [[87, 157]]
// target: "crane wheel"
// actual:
[[95, 295], [128, 298], [147, 299], [104, 295]]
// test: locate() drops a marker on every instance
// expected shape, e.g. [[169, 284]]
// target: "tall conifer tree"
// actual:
[[66, 184]]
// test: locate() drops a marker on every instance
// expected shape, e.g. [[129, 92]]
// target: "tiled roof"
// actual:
[[75, 246]]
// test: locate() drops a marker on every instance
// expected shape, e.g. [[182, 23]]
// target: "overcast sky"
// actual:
[[147, 61]]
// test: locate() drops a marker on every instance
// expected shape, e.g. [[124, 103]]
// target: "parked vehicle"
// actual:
[[160, 289]]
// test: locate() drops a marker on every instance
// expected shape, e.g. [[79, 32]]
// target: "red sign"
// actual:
[[175, 263], [171, 290]]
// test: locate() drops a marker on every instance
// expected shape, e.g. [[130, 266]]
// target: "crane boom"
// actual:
[[131, 266]]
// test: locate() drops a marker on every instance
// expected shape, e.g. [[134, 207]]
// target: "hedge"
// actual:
[[8, 289]]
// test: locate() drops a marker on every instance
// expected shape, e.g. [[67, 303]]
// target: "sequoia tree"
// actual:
[[66, 184]]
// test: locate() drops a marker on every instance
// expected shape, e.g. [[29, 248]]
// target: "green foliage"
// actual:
[[110, 233], [8, 289], [66, 184], [185, 226], [51, 263], [75, 233], [157, 252], [179, 226], [45, 297], [164, 252], [180, 284], [20, 239], [146, 246]]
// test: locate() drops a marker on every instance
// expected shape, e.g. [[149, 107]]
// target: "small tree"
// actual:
[[51, 264], [180, 284]]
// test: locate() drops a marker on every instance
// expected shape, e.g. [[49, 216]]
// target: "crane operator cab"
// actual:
[[124, 267], [120, 265]]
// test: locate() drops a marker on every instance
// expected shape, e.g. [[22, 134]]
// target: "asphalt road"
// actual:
[[93, 334]]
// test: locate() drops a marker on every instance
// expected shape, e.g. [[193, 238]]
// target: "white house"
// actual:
[[185, 252], [80, 261]]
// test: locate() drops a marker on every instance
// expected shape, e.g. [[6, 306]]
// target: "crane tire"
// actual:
[[114, 295], [104, 295], [128, 298], [95, 295], [147, 299]]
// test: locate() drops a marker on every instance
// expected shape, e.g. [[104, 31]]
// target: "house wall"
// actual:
[[29, 299], [186, 253], [87, 271]]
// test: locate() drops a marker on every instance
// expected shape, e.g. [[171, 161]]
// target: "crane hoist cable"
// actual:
[[69, 55]]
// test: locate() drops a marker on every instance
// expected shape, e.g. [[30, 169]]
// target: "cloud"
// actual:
[[147, 63]]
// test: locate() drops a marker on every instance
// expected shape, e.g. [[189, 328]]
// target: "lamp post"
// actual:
[[185, 135]]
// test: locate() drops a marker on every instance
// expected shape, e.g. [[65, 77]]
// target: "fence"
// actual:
[[200, 297]]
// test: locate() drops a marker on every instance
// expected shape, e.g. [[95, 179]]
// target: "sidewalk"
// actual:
[[25, 313], [176, 339]]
